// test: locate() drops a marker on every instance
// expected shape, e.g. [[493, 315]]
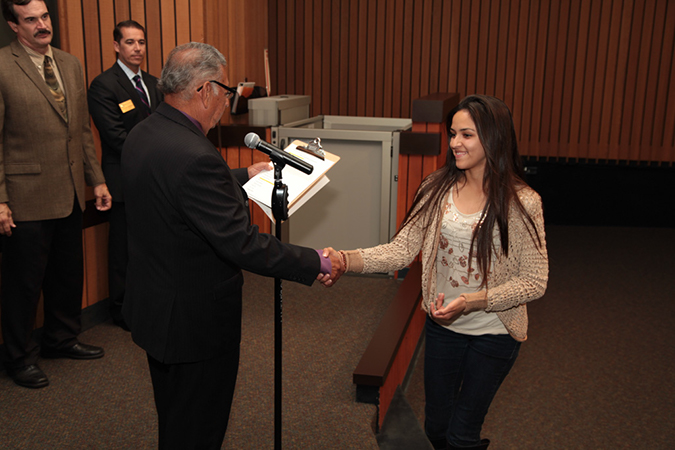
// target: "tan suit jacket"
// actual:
[[44, 160]]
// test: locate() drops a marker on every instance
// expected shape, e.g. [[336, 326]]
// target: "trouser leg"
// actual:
[[443, 359], [193, 401], [465, 374], [63, 283], [24, 260], [118, 256], [488, 360]]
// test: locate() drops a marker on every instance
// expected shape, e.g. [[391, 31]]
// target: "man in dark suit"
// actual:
[[46, 155], [189, 239], [119, 99]]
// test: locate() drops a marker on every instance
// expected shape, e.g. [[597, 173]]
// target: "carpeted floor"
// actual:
[[108, 404], [598, 368], [595, 373]]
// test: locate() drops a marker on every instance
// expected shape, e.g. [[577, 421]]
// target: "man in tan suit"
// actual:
[[46, 156]]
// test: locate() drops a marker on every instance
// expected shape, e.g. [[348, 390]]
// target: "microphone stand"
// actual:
[[280, 213]]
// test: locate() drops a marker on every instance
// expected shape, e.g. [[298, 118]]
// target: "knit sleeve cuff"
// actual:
[[476, 301], [354, 261]]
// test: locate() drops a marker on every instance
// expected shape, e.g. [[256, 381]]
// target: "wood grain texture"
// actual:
[[585, 80]]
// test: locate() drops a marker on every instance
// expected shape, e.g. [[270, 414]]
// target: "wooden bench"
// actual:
[[385, 362]]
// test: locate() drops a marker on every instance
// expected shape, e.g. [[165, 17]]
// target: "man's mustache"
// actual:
[[42, 33]]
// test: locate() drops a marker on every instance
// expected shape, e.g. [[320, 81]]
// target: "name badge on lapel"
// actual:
[[127, 106]]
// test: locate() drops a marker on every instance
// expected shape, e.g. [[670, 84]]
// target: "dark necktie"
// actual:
[[141, 92], [54, 87]]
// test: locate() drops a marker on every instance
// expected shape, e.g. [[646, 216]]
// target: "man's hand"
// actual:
[[337, 267], [258, 167], [103, 197], [6, 221]]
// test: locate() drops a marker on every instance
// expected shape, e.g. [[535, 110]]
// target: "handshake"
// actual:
[[338, 263]]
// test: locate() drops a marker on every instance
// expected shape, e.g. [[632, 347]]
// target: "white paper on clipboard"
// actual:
[[301, 187]]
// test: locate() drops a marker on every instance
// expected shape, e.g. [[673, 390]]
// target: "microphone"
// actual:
[[277, 155]]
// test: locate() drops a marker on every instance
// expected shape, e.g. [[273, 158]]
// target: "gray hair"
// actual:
[[190, 65]]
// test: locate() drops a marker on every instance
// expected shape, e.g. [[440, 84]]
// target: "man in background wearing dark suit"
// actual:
[[47, 155], [190, 236], [119, 99]]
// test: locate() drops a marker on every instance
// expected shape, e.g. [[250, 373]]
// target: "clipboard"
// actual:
[[301, 187]]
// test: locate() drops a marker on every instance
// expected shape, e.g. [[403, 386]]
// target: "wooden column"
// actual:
[[424, 148]]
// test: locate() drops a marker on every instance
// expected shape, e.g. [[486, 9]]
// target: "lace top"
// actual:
[[453, 274], [516, 280]]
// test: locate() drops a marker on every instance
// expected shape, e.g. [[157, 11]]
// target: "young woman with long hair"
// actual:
[[480, 230]]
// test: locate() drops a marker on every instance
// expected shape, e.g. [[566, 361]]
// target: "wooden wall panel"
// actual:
[[197, 22], [324, 41], [416, 53], [412, 169], [183, 22], [551, 131], [238, 29], [308, 35], [396, 89], [95, 241], [167, 15], [89, 25], [86, 32], [92, 37], [361, 88], [585, 79], [106, 21], [590, 80], [122, 11]]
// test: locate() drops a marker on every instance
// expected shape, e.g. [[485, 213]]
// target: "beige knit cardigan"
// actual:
[[516, 280]]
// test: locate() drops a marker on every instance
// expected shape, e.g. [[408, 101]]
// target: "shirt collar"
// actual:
[[193, 120], [38, 58], [128, 71]]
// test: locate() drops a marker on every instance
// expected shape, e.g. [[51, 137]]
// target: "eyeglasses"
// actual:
[[229, 92]]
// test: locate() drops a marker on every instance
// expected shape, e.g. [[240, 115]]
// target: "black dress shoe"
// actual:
[[30, 376], [77, 351]]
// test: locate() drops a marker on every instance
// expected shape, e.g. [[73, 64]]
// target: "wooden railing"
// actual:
[[387, 358]]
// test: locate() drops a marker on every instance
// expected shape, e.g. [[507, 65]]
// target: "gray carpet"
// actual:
[[595, 373], [108, 404], [598, 368], [401, 429]]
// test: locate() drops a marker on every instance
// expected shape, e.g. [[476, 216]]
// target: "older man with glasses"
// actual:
[[190, 236]]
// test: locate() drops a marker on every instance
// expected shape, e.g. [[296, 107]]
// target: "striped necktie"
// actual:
[[54, 87], [141, 92]]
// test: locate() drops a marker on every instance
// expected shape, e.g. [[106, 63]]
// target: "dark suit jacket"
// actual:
[[114, 118], [189, 238], [44, 160]]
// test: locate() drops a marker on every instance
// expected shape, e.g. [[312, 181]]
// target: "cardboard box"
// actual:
[[278, 110]]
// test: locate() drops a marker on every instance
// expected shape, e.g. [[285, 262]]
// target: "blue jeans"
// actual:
[[461, 376]]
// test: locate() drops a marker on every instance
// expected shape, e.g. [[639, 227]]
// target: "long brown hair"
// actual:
[[503, 177]]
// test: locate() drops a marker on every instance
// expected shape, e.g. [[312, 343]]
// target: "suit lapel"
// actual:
[[151, 83], [26, 64], [129, 88]]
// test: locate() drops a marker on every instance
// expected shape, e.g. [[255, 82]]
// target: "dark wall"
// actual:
[[583, 193]]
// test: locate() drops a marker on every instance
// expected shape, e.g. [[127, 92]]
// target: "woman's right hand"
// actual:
[[338, 266], [445, 315]]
